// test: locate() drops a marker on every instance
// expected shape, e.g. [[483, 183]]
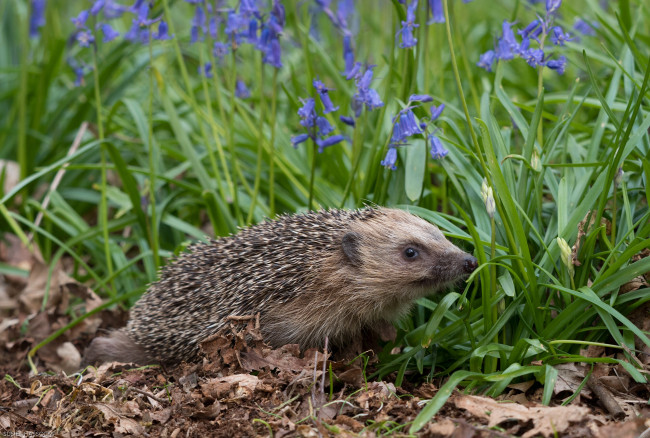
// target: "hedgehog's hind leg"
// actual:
[[118, 347]]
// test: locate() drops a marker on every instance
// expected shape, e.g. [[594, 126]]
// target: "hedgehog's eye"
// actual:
[[411, 253]]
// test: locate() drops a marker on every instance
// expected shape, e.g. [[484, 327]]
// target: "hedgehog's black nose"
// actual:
[[470, 264]]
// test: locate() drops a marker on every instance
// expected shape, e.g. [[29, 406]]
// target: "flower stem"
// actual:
[[313, 174], [493, 274], [274, 100], [468, 71], [614, 214], [213, 126], [22, 101], [231, 139], [540, 87], [357, 149], [454, 65], [153, 229], [215, 134], [260, 143], [103, 203]]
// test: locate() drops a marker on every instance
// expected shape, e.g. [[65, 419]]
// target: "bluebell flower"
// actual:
[[79, 71], [407, 26], [405, 126], [252, 32], [348, 56], [487, 59], [141, 10], [329, 141], [235, 23], [558, 37], [109, 33], [585, 28], [308, 113], [133, 32], [79, 76], [390, 159], [365, 94], [552, 6], [339, 19], [37, 17], [318, 127], [97, 7], [273, 54], [437, 150], [323, 126], [274, 26], [534, 57], [110, 7], [163, 31], [507, 47], [356, 105], [437, 12], [347, 120], [279, 15], [420, 98], [249, 8], [344, 11], [323, 92], [411, 9], [297, 139], [353, 72], [198, 23], [372, 100], [206, 70], [144, 35], [532, 30], [557, 64], [136, 6], [506, 44], [366, 78], [241, 90], [219, 50], [269, 43], [85, 38], [213, 29], [436, 111], [80, 20]]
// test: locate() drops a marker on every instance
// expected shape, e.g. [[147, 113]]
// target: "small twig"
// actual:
[[313, 386], [58, 177], [606, 398], [145, 393], [11, 412], [322, 377], [239, 318]]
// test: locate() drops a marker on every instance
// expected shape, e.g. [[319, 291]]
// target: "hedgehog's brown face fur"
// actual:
[[403, 251]]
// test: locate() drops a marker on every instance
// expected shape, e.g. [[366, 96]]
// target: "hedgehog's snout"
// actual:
[[470, 264]]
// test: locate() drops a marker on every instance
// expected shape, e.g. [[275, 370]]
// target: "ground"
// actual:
[[244, 388]]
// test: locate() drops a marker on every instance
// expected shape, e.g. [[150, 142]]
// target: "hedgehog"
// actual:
[[328, 274]]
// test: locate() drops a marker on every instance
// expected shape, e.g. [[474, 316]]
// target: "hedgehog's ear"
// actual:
[[350, 244]]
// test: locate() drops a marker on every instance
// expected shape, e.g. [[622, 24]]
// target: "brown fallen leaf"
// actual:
[[115, 417], [238, 384], [547, 421]]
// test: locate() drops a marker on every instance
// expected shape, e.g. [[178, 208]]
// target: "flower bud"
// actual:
[[535, 163], [618, 178], [488, 198], [566, 254]]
